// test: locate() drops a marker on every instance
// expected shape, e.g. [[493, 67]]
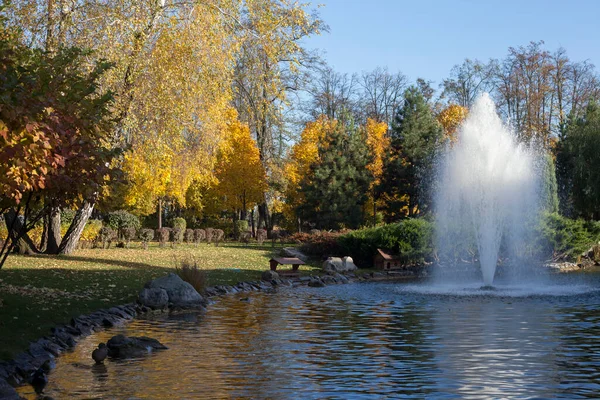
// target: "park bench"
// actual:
[[294, 262]]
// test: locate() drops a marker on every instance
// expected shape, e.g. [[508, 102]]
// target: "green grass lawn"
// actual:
[[39, 292]]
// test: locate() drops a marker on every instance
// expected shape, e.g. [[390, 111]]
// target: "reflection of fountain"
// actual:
[[486, 189]]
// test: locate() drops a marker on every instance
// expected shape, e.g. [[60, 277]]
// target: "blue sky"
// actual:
[[425, 38]]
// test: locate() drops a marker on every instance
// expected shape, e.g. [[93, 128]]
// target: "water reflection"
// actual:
[[353, 341]]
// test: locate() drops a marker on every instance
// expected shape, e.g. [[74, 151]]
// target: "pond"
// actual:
[[371, 340]]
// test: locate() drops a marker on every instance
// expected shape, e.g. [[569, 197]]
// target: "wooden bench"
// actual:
[[294, 262]]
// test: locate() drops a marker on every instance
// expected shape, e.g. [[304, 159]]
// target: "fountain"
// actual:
[[486, 191]]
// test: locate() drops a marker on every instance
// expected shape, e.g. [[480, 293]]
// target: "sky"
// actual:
[[426, 38]]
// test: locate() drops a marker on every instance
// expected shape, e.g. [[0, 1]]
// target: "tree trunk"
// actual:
[[263, 217], [252, 222], [159, 213], [69, 242], [53, 230], [44, 240], [19, 239]]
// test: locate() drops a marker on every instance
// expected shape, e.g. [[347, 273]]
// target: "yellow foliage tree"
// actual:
[[378, 143], [241, 176], [450, 118]]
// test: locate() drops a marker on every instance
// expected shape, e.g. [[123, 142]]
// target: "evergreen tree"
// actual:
[[549, 189], [580, 159], [415, 137], [339, 180]]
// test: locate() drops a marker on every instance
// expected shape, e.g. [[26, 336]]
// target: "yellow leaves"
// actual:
[[239, 170], [450, 118], [378, 142]]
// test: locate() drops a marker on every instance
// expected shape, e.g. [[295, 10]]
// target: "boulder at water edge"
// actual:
[[121, 346], [154, 298], [337, 264], [179, 292], [269, 275]]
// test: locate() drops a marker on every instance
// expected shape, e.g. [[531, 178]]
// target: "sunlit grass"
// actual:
[[42, 291]]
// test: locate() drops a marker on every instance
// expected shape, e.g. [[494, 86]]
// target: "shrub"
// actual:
[[245, 237], [411, 239], [218, 235], [199, 235], [189, 236], [162, 234], [128, 235], [562, 238], [242, 226], [179, 223], [189, 271], [210, 232], [322, 244], [120, 220], [261, 236], [146, 235], [176, 236], [107, 236]]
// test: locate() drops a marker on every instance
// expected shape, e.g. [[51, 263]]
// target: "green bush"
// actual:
[[563, 238], [179, 223], [242, 226], [120, 220], [411, 239]]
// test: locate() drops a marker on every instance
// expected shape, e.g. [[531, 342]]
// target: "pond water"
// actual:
[[374, 340]]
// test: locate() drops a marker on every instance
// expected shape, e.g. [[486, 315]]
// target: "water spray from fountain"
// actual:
[[487, 189]]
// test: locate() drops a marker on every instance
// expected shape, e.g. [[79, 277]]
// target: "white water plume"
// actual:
[[486, 191]]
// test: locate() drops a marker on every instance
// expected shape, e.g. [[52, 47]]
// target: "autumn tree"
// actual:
[[414, 138], [171, 80], [450, 119], [54, 133], [378, 143], [271, 64], [240, 174]]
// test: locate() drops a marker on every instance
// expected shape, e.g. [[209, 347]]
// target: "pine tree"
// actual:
[[415, 137], [549, 189], [339, 181], [580, 159]]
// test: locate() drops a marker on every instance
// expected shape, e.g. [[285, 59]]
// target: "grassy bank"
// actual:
[[39, 292]]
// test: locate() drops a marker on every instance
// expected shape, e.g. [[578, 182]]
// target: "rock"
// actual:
[[180, 293], [7, 392], [294, 252], [563, 267], [316, 282], [269, 275], [337, 264], [154, 298], [349, 264], [121, 346]]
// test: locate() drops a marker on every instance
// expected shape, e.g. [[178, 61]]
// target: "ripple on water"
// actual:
[[358, 341]]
